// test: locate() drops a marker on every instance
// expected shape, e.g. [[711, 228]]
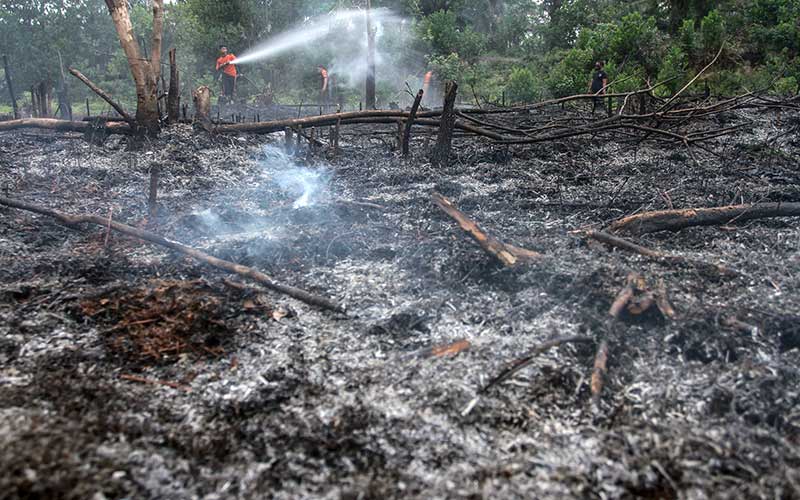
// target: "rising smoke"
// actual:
[[306, 185]]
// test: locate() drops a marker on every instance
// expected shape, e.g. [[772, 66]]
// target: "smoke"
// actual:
[[306, 185]]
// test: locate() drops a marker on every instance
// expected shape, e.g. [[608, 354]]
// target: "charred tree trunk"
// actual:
[[370, 83], [174, 96], [10, 87], [40, 99], [441, 152], [145, 71]]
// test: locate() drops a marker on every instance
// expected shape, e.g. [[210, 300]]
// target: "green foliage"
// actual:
[[522, 86], [674, 69], [712, 32], [445, 37], [572, 72]]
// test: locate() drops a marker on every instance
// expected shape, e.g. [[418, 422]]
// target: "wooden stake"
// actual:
[[410, 122], [152, 202]]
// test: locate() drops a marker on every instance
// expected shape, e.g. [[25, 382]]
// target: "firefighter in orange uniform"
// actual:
[[323, 91], [426, 84], [228, 72]]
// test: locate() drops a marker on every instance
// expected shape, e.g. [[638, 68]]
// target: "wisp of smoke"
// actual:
[[308, 186], [311, 31]]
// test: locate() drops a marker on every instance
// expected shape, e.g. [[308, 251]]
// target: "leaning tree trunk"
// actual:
[[145, 71]]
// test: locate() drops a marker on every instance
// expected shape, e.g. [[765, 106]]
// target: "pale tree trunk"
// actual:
[[145, 72], [370, 83]]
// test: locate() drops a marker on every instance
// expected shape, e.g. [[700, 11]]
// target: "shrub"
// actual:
[[521, 85]]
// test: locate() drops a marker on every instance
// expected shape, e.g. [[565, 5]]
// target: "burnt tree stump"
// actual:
[[441, 152]]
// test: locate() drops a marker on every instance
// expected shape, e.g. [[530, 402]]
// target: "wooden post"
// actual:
[[370, 83], [287, 136], [88, 112], [152, 202], [401, 128], [441, 152], [410, 122], [10, 87], [336, 137], [174, 94]]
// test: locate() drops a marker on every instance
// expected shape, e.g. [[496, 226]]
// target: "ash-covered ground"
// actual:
[[129, 371]]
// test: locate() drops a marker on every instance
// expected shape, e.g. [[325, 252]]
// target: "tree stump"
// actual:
[[441, 152]]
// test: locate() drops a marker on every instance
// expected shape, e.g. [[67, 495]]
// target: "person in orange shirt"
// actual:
[[323, 91], [228, 71], [426, 84]]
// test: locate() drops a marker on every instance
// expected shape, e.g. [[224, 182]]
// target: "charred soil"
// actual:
[[131, 371]]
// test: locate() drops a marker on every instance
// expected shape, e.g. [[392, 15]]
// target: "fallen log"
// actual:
[[632, 247], [508, 255], [74, 220], [308, 121], [62, 125], [675, 220], [430, 122], [103, 94]]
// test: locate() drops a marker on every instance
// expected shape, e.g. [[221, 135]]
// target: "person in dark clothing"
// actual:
[[598, 85]]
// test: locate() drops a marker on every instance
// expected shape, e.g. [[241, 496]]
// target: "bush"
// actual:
[[521, 85]]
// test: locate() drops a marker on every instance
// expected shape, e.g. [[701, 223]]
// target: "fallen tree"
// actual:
[[675, 220], [62, 125], [74, 220], [104, 95]]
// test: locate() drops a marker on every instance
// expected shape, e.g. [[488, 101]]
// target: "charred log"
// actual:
[[508, 255], [675, 220], [247, 272]]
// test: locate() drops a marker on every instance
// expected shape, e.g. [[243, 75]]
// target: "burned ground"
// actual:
[[259, 395]]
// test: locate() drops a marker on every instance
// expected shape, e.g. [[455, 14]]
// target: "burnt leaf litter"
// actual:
[[129, 371]]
